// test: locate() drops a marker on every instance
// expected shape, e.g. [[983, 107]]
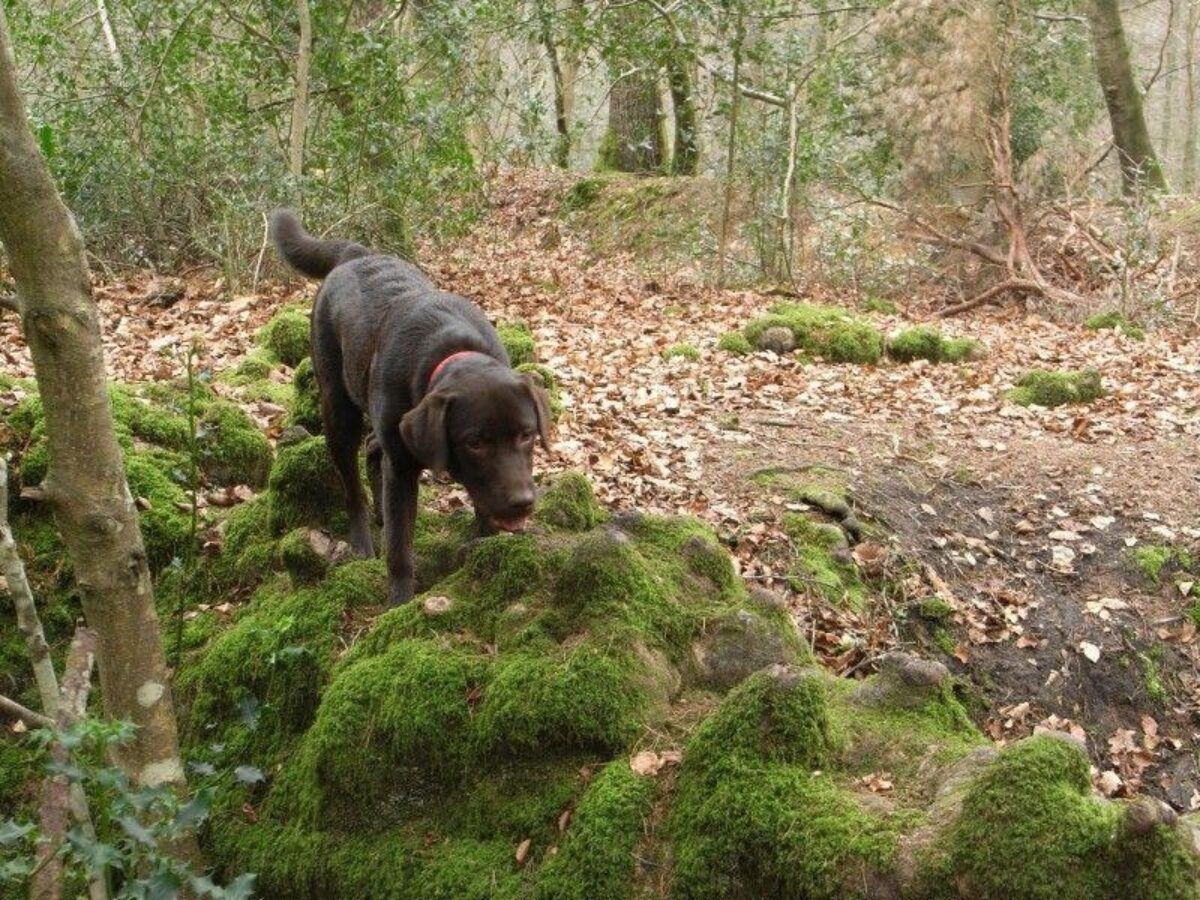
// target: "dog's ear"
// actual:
[[541, 403], [423, 430]]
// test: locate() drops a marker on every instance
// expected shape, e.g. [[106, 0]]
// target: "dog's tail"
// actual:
[[305, 253]]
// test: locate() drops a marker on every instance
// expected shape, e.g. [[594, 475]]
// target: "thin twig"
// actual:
[[24, 713]]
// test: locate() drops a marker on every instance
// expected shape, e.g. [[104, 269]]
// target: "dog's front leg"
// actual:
[[399, 521]]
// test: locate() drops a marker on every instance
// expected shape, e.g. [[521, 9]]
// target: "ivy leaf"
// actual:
[[11, 832], [195, 810], [249, 774], [70, 772], [93, 854], [241, 888], [250, 710], [137, 830], [202, 769], [163, 885]]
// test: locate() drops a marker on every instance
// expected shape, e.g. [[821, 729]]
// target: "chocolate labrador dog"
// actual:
[[430, 372]]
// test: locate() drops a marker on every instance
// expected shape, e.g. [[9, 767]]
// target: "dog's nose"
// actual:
[[521, 504]]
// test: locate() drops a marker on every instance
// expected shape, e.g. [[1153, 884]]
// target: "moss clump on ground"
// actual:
[[1114, 320], [304, 488], [681, 351], [1050, 389], [825, 331], [928, 343], [232, 449], [582, 194], [568, 502], [518, 341], [735, 342], [1152, 560], [1037, 794], [823, 562], [550, 382], [286, 336], [305, 407]]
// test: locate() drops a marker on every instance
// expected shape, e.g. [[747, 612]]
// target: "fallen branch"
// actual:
[[24, 713], [1016, 285]]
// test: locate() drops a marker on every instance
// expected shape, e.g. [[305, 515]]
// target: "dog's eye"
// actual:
[[525, 437], [474, 445]]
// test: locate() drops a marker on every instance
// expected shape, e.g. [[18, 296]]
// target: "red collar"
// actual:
[[437, 370]]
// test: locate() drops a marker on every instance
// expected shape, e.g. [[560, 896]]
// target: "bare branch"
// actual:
[[1015, 285], [24, 713]]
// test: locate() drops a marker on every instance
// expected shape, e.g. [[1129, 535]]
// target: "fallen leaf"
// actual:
[[1090, 650]]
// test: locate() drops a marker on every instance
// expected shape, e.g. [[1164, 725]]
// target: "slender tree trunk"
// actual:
[[1169, 87], [1139, 165], [687, 131], [633, 142], [562, 124], [1189, 120], [110, 37], [86, 485], [731, 152], [299, 127]]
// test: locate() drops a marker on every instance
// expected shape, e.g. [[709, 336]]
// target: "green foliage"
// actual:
[[923, 342], [1116, 321], [1153, 559], [825, 331], [582, 194], [1050, 389], [682, 351], [136, 826], [735, 342], [569, 503], [304, 488], [550, 382], [286, 336], [231, 448], [305, 409], [518, 342]]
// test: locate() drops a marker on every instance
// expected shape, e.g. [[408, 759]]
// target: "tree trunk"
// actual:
[[1139, 166], [1189, 121], [562, 124], [86, 485], [1170, 58], [299, 125], [633, 142], [687, 132]]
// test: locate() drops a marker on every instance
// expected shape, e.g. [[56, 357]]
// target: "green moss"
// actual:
[[166, 524], [1052, 389], [735, 342], [879, 305], [249, 551], [818, 551], [753, 818], [297, 556], [232, 449], [518, 342], [1035, 795], [681, 351], [595, 858], [550, 382], [1152, 679], [944, 640], [1153, 559], [304, 488], [582, 194], [828, 332], [255, 366], [935, 609], [1116, 321], [928, 343], [438, 542], [286, 336], [305, 409], [569, 503]]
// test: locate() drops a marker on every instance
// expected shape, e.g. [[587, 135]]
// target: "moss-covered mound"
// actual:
[[1114, 320], [305, 408], [518, 341], [825, 331], [286, 336], [1049, 389], [736, 343], [923, 342]]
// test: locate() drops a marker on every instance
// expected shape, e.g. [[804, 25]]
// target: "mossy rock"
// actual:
[[232, 449], [1050, 389], [736, 343], [569, 502], [1114, 320], [287, 335], [682, 351], [518, 342], [825, 331], [304, 487], [305, 407], [923, 342]]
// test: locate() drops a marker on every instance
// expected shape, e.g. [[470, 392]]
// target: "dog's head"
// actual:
[[481, 427]]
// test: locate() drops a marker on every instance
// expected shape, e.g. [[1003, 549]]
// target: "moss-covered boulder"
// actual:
[[1050, 389], [304, 487], [286, 336], [231, 448], [825, 331], [924, 342]]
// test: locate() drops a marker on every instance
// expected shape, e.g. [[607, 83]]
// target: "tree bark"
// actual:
[[687, 131], [1189, 122], [1140, 167], [1170, 59], [633, 142], [86, 485], [299, 125], [562, 124]]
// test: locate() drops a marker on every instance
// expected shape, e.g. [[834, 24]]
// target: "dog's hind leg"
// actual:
[[342, 423], [375, 475]]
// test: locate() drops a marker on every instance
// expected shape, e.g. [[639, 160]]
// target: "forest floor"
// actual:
[[1024, 520]]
